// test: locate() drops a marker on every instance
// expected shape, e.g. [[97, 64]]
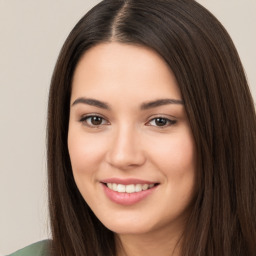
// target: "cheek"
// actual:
[[183, 177], [176, 154], [85, 152], [176, 159]]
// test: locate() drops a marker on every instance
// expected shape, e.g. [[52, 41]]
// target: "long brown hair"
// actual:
[[219, 107]]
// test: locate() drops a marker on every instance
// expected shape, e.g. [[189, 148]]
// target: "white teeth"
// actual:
[[131, 188], [120, 188], [110, 185], [114, 186], [144, 186], [138, 188]]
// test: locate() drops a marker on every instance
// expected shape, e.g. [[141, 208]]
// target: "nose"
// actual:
[[126, 150]]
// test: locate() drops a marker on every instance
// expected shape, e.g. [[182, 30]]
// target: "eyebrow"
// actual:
[[91, 102], [161, 102], [144, 106]]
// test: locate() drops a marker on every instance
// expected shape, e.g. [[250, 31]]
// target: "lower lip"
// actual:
[[127, 198]]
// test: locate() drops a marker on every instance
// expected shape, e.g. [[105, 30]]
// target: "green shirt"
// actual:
[[41, 248]]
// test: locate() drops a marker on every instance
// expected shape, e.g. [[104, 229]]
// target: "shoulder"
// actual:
[[41, 248]]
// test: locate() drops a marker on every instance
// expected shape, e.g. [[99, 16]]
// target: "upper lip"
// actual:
[[127, 181]]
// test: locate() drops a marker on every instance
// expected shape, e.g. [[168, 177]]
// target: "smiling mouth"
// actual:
[[130, 188]]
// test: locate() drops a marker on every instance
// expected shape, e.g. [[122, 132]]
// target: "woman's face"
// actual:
[[130, 143]]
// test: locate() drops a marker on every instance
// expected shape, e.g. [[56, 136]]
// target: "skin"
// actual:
[[128, 142]]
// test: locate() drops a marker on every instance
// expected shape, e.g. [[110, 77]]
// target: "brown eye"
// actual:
[[96, 120], [93, 121], [161, 122]]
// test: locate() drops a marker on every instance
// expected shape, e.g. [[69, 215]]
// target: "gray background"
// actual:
[[32, 33]]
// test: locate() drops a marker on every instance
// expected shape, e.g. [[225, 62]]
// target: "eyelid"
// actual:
[[171, 121], [87, 116]]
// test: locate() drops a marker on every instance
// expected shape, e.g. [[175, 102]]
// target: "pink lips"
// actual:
[[127, 181], [124, 198]]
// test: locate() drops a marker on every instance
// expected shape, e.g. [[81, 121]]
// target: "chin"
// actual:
[[130, 230], [125, 226]]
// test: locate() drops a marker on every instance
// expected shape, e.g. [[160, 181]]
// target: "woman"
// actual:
[[151, 136]]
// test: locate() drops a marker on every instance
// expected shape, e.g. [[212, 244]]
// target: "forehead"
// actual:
[[112, 68]]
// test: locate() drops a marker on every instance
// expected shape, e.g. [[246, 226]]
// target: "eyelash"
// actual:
[[166, 122], [85, 119]]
